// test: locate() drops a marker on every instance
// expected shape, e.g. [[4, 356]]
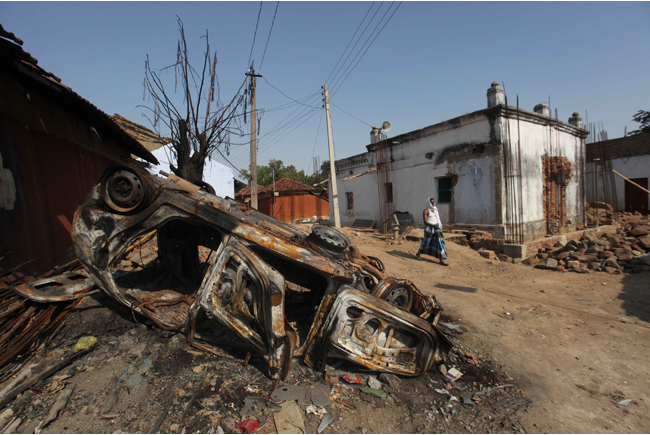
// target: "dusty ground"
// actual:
[[574, 344]]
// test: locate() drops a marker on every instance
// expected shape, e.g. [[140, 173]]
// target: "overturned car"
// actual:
[[171, 251]]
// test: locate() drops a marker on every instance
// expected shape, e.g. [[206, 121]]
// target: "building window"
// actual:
[[350, 197], [444, 189], [389, 193]]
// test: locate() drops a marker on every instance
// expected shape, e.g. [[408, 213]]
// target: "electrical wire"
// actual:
[[355, 44], [255, 34], [351, 39], [364, 53], [292, 99], [269, 38], [313, 151], [344, 111]]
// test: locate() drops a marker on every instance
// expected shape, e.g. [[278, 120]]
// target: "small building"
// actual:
[[54, 146], [630, 157], [293, 201], [514, 173]]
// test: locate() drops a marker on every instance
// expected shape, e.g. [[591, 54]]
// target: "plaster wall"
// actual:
[[466, 150], [538, 140], [630, 167]]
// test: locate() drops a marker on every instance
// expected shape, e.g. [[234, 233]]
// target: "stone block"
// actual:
[[548, 263], [573, 264], [490, 255]]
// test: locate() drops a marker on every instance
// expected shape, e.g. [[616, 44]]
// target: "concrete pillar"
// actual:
[[495, 95], [576, 120], [542, 109]]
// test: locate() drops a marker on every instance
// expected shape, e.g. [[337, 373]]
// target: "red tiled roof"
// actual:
[[246, 191], [629, 146], [287, 185]]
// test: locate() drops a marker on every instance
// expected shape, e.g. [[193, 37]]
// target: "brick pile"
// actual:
[[625, 251]]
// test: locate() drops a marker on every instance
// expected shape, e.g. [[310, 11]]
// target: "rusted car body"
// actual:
[[285, 292]]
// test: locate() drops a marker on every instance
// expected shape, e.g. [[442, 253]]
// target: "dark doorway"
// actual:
[[635, 198]]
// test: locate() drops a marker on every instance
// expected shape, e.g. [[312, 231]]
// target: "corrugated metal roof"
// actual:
[[22, 65]]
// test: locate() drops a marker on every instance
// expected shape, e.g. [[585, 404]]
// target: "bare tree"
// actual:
[[202, 123]]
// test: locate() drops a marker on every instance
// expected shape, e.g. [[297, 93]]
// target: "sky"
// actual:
[[425, 62]]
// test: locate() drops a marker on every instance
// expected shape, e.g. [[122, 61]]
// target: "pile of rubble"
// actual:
[[627, 250]]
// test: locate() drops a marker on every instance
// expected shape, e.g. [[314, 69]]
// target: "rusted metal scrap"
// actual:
[[283, 291], [23, 319]]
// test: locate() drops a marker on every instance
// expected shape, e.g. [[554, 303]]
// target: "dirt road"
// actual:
[[576, 343]]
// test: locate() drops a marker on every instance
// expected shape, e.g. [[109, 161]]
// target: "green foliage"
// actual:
[[265, 175], [643, 118]]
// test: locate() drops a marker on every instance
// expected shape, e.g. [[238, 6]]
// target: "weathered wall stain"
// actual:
[[7, 188]]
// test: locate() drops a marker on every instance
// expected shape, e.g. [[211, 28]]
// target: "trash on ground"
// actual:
[[248, 426], [441, 391], [289, 419], [625, 402], [375, 391], [289, 392], [84, 343], [326, 420], [452, 375], [316, 410], [373, 382], [59, 405], [352, 379], [319, 396]]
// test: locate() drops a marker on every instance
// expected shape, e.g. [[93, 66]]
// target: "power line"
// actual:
[[356, 43], [269, 38], [364, 53], [364, 122], [317, 133], [292, 99], [255, 34], [351, 39]]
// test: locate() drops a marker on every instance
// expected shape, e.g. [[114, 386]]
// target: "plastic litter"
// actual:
[[84, 343], [352, 379], [375, 391], [441, 391], [625, 402], [248, 426]]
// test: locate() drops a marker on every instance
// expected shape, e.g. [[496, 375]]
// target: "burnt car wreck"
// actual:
[[173, 252]]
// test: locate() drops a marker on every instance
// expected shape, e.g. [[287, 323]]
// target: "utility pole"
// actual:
[[335, 196], [252, 75]]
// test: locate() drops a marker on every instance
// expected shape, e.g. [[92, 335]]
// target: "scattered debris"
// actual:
[[59, 405], [373, 382], [352, 379], [376, 392], [84, 343], [452, 375], [289, 419], [248, 426], [625, 402], [326, 420], [289, 392]]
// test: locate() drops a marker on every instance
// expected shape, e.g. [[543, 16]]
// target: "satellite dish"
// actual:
[[385, 126]]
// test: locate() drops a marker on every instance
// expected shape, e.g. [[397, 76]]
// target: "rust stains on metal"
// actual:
[[179, 253]]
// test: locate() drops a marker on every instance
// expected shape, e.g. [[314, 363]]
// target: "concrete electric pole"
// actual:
[[252, 75], [335, 196]]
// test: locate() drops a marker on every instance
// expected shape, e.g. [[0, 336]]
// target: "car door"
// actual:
[[247, 295]]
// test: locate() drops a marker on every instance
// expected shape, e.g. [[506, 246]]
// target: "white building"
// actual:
[[515, 173], [630, 157], [220, 177]]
